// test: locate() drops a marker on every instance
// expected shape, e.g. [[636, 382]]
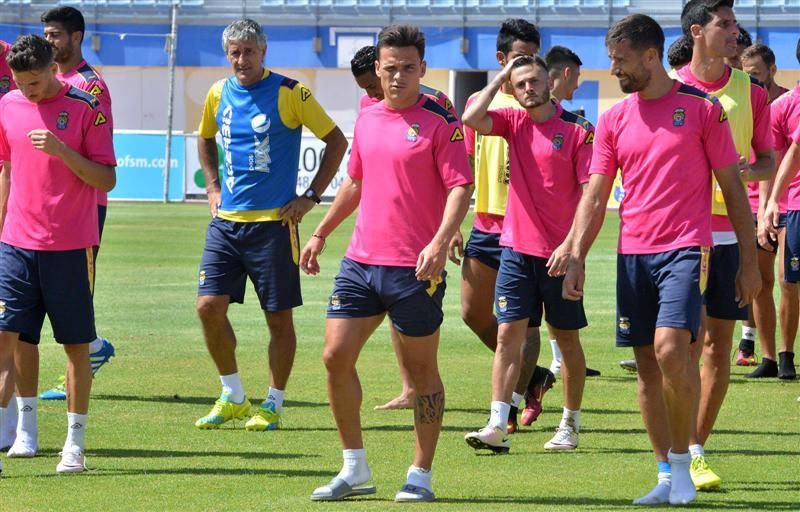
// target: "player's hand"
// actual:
[[45, 140], [772, 217], [748, 284], [572, 288], [213, 202], [296, 209], [557, 264], [505, 74], [455, 250], [431, 261], [308, 257], [763, 236], [744, 168]]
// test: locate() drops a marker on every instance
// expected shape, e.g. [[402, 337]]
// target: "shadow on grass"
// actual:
[[113, 453], [196, 400], [701, 503], [722, 431], [198, 472]]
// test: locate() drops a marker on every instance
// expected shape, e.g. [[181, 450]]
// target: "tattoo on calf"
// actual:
[[429, 408]]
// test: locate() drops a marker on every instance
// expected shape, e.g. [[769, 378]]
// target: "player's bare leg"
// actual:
[[218, 332], [477, 300], [406, 398]]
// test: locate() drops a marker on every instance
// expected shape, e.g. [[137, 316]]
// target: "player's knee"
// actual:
[[209, 308], [337, 360], [476, 319]]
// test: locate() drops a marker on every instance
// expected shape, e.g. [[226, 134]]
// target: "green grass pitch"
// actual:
[[145, 453]]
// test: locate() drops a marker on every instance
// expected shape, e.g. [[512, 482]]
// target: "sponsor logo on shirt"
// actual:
[[225, 130], [62, 121], [260, 159], [624, 325], [558, 141], [413, 133], [457, 135], [5, 84], [678, 117]]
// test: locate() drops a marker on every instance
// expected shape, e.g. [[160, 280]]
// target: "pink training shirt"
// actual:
[[50, 208], [86, 78], [780, 147], [6, 78], [406, 161], [666, 149], [549, 162], [785, 118], [762, 135]]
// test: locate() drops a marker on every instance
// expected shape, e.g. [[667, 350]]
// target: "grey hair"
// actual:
[[244, 30]]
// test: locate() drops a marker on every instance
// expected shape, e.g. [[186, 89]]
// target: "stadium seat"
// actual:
[[567, 3], [418, 4], [272, 3], [594, 3]]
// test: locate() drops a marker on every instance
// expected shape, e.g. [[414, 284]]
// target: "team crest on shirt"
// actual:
[[335, 303], [5, 84], [795, 264], [413, 133], [678, 117], [62, 120], [502, 303], [624, 325], [558, 141], [202, 277]]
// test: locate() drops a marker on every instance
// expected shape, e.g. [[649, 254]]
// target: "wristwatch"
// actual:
[[310, 194]]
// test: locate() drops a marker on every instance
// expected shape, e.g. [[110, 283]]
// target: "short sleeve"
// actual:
[[779, 136], [762, 133], [451, 156], [354, 166], [582, 159], [501, 121], [98, 141], [717, 138], [795, 138], [469, 133], [5, 151], [208, 122], [303, 108], [604, 154]]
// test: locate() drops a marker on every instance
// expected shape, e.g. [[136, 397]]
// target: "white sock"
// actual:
[[76, 428], [275, 396], [232, 386], [697, 450], [355, 470], [419, 477], [682, 491], [571, 419], [749, 333], [499, 415], [556, 352], [27, 423], [96, 345], [660, 493], [516, 399]]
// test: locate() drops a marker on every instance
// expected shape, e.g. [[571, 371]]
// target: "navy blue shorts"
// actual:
[[267, 252], [791, 255], [524, 290], [773, 243], [720, 296], [659, 290], [53, 283], [361, 290], [484, 247]]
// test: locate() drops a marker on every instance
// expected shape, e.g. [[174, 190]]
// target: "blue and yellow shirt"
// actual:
[[261, 127]]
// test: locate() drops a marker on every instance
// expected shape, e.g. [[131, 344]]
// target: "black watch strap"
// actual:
[[310, 194]]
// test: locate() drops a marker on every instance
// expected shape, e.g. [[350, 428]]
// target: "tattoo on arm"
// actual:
[[429, 408]]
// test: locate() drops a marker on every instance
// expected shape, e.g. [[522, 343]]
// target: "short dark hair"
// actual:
[[559, 57], [29, 53], [797, 50], [698, 12], [70, 17], [364, 60], [641, 31], [517, 29], [529, 60], [679, 52], [743, 39], [401, 36], [760, 50]]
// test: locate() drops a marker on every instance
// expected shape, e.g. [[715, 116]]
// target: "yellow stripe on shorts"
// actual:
[[90, 268], [294, 239], [434, 285]]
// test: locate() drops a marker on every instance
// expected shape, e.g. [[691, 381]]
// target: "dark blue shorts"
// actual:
[[659, 290], [361, 290], [720, 296], [484, 247], [524, 290], [267, 252], [791, 255], [53, 283], [773, 243]]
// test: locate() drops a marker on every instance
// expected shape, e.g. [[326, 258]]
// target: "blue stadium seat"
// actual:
[[370, 3], [567, 3], [518, 4], [594, 3], [444, 4], [272, 3], [418, 4]]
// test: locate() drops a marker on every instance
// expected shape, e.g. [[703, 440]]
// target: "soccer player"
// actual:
[[679, 53], [785, 118], [362, 66], [665, 232], [481, 257], [549, 153], [743, 40], [55, 142], [407, 156], [253, 229], [759, 62], [712, 26]]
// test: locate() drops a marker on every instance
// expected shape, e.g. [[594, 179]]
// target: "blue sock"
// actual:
[[663, 467]]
